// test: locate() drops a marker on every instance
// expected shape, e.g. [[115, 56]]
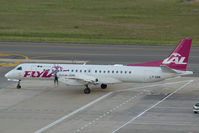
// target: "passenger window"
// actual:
[[76, 70], [85, 71], [116, 71], [71, 70], [95, 71], [19, 68], [125, 72], [121, 72], [100, 71], [112, 71], [129, 72], [108, 71], [104, 71], [80, 71], [89, 71]]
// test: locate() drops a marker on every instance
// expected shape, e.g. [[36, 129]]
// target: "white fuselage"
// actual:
[[102, 73]]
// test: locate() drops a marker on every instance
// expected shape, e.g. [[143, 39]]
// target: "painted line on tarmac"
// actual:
[[170, 83], [167, 124], [108, 112], [89, 123], [75, 54], [72, 113], [2, 54], [92, 46], [83, 47], [93, 102], [45, 61], [13, 62], [136, 117]]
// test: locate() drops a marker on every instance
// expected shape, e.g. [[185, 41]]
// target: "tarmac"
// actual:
[[41, 107]]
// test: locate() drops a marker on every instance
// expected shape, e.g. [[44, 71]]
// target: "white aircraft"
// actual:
[[75, 74]]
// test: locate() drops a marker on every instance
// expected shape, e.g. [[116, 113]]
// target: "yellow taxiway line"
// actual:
[[12, 64]]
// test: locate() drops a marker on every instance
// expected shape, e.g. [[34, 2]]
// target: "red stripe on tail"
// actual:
[[177, 60]]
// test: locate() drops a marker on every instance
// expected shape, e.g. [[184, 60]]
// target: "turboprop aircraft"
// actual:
[[86, 75]]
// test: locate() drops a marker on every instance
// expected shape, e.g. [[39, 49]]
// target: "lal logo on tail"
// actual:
[[175, 58]]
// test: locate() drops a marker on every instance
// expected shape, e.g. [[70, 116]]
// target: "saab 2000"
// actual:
[[76, 74]]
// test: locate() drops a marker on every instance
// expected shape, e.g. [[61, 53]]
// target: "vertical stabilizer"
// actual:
[[179, 57], [177, 60]]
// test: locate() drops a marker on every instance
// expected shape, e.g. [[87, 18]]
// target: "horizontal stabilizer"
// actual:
[[166, 69]]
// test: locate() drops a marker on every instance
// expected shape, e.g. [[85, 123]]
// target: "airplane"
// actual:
[[85, 75]]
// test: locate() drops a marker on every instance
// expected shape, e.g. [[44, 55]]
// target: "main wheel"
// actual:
[[87, 90], [18, 86], [103, 86]]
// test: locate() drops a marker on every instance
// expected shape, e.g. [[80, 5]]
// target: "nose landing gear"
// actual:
[[18, 85]]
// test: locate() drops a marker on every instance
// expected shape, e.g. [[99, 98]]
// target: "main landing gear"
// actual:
[[18, 85], [103, 86], [87, 90]]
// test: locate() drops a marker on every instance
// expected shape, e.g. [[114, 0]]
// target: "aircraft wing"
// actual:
[[77, 79]]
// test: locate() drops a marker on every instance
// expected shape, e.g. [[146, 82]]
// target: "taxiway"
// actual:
[[125, 108]]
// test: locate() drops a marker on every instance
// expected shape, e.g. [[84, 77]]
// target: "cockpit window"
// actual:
[[19, 68]]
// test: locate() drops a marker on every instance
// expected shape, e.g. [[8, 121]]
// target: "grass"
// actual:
[[146, 22]]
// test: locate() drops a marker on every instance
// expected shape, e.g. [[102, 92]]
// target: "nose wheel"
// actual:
[[18, 85], [87, 90]]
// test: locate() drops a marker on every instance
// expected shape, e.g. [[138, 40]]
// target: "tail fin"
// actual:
[[177, 60]]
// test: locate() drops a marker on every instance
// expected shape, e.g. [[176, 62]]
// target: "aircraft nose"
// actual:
[[7, 75]]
